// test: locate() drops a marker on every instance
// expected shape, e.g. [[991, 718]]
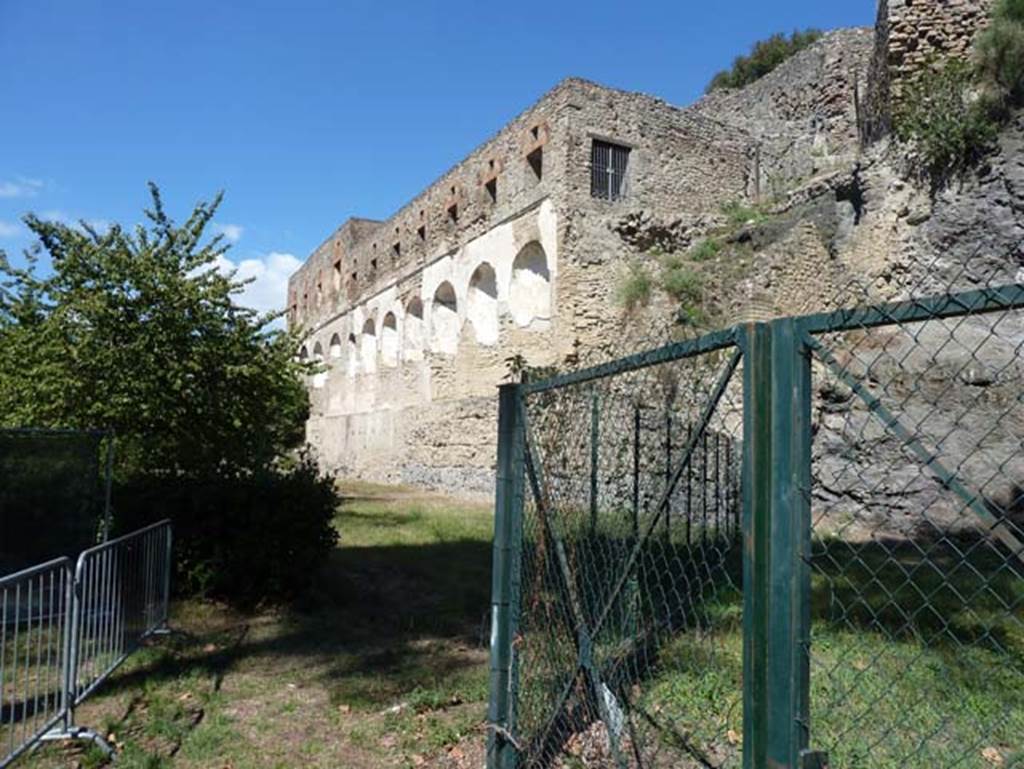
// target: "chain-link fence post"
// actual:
[[508, 527], [777, 439]]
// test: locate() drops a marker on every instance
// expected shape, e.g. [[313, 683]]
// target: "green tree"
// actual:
[[138, 331]]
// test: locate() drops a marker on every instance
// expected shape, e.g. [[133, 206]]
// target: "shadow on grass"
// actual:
[[384, 623], [948, 593]]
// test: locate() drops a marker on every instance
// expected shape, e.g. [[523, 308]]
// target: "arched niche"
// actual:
[[389, 340], [353, 355], [412, 341], [368, 346], [530, 292], [335, 347], [482, 304], [444, 320], [320, 377]]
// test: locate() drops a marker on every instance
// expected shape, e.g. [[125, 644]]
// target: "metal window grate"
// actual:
[[608, 164]]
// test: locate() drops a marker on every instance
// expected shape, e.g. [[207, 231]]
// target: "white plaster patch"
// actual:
[[412, 336], [368, 346], [389, 340], [482, 304], [444, 320], [530, 293]]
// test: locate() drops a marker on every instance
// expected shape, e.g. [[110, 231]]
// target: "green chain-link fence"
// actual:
[[789, 544]]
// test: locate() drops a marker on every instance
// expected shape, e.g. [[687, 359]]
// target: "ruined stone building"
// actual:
[[516, 253]]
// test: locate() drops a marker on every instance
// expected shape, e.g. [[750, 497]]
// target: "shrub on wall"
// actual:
[[953, 113], [635, 288], [765, 56], [949, 121], [1000, 53]]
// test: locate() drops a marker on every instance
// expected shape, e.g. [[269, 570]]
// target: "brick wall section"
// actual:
[[910, 35]]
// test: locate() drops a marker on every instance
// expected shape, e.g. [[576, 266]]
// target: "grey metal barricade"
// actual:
[[65, 632], [34, 617]]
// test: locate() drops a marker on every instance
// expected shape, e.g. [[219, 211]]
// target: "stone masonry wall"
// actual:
[[910, 35], [804, 115], [415, 339]]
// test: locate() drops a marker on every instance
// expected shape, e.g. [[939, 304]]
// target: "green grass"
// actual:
[[917, 652], [386, 665], [383, 664]]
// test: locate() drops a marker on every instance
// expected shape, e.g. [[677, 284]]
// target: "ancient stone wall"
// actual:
[[804, 115], [414, 339], [911, 35]]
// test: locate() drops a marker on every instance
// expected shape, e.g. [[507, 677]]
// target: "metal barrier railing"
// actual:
[[34, 615], [63, 632]]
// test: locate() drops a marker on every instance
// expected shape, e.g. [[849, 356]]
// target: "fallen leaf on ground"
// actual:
[[993, 756]]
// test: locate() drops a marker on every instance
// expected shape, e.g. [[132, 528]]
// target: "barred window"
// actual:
[[608, 163]]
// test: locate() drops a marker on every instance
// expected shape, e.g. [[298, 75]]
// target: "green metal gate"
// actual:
[[703, 556]]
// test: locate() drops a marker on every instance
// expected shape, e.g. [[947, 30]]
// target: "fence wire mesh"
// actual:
[[871, 462], [629, 638], [917, 654]]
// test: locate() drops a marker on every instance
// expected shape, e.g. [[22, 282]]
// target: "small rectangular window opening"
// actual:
[[492, 190], [453, 213], [336, 277], [422, 232], [608, 164], [373, 265], [396, 251]]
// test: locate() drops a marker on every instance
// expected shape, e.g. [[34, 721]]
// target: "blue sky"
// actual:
[[306, 113]]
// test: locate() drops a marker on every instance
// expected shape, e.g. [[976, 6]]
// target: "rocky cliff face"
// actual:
[[839, 225]]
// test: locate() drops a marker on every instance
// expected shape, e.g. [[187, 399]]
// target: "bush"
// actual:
[[245, 538], [999, 52], [951, 124], [682, 284], [765, 56], [635, 289], [705, 250]]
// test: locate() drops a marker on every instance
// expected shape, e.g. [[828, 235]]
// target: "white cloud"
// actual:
[[20, 188], [8, 229], [231, 232], [268, 291]]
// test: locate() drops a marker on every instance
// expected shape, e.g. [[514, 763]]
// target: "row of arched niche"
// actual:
[[406, 333]]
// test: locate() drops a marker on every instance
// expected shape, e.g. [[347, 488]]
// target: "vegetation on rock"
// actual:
[[765, 56], [953, 113], [635, 288]]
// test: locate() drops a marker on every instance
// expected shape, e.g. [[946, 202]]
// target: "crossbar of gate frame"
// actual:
[[80, 626], [776, 506]]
